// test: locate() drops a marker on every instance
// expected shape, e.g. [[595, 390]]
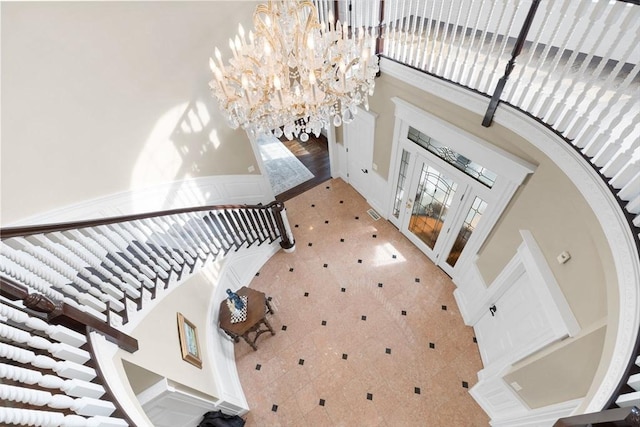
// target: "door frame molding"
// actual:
[[511, 170]]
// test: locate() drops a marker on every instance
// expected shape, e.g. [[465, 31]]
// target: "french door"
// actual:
[[437, 207]]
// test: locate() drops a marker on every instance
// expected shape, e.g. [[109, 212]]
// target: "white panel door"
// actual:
[[519, 319], [358, 138]]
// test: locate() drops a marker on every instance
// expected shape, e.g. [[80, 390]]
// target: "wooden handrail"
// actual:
[[623, 417], [60, 313], [20, 231]]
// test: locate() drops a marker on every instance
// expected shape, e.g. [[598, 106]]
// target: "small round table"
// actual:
[[257, 308]]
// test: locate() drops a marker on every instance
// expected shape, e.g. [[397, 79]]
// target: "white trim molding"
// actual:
[[210, 190], [594, 190]]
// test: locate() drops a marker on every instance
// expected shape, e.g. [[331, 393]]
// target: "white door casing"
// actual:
[[510, 169], [358, 140]]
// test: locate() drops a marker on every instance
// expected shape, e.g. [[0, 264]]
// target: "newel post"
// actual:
[[287, 241]]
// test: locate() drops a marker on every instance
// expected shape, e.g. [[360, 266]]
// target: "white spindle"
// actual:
[[158, 239], [556, 93], [18, 416], [142, 260], [604, 137], [445, 46], [428, 38], [56, 332], [468, 71], [64, 368], [625, 174], [73, 387], [631, 189], [523, 78], [59, 350]]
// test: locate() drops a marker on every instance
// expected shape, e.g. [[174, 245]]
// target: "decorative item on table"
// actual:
[[237, 306]]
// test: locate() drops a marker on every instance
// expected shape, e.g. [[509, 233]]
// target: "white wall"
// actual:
[[100, 98]]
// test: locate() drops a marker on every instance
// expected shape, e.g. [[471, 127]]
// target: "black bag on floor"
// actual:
[[220, 419]]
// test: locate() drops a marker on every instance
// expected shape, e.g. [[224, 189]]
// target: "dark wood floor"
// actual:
[[314, 154]]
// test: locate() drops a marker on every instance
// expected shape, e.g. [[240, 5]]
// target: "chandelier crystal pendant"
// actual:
[[294, 75]]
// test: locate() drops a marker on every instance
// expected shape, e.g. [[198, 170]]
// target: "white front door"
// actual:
[[437, 207]]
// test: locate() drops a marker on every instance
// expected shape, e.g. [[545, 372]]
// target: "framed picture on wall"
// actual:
[[188, 335]]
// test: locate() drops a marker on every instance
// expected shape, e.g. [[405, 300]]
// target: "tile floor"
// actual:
[[367, 330]]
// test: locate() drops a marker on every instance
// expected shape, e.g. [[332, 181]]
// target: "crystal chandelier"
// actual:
[[294, 75]]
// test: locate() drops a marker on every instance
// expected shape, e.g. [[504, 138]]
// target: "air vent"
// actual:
[[373, 214]]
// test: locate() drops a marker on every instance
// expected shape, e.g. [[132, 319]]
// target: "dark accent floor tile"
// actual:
[[306, 294], [341, 201], [326, 221], [301, 362], [321, 403], [310, 244], [291, 269], [465, 384], [417, 280], [296, 226], [343, 289], [359, 261], [375, 236], [327, 187], [387, 350], [269, 298], [274, 408], [475, 340], [324, 323], [284, 327], [342, 240], [357, 217], [257, 274], [444, 307], [369, 396], [344, 356], [313, 206], [416, 390], [432, 345], [326, 265], [404, 312], [379, 285], [363, 317], [394, 256], [258, 367]]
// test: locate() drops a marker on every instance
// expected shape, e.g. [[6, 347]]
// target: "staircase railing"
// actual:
[[48, 376], [574, 66], [61, 281], [108, 267]]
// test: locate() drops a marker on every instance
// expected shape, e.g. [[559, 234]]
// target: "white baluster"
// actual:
[[444, 45], [603, 138], [72, 387], [30, 417], [125, 242], [160, 266], [427, 37], [468, 69], [617, 163], [59, 350], [57, 332], [456, 62], [160, 239], [517, 83], [569, 17], [555, 94], [625, 175], [605, 26], [65, 368]]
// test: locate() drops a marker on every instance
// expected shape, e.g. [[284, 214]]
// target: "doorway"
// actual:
[[448, 188]]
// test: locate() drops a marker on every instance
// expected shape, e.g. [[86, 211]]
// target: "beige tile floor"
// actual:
[[367, 330]]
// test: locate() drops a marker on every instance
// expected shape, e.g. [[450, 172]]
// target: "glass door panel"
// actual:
[[433, 200], [470, 223], [402, 181]]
